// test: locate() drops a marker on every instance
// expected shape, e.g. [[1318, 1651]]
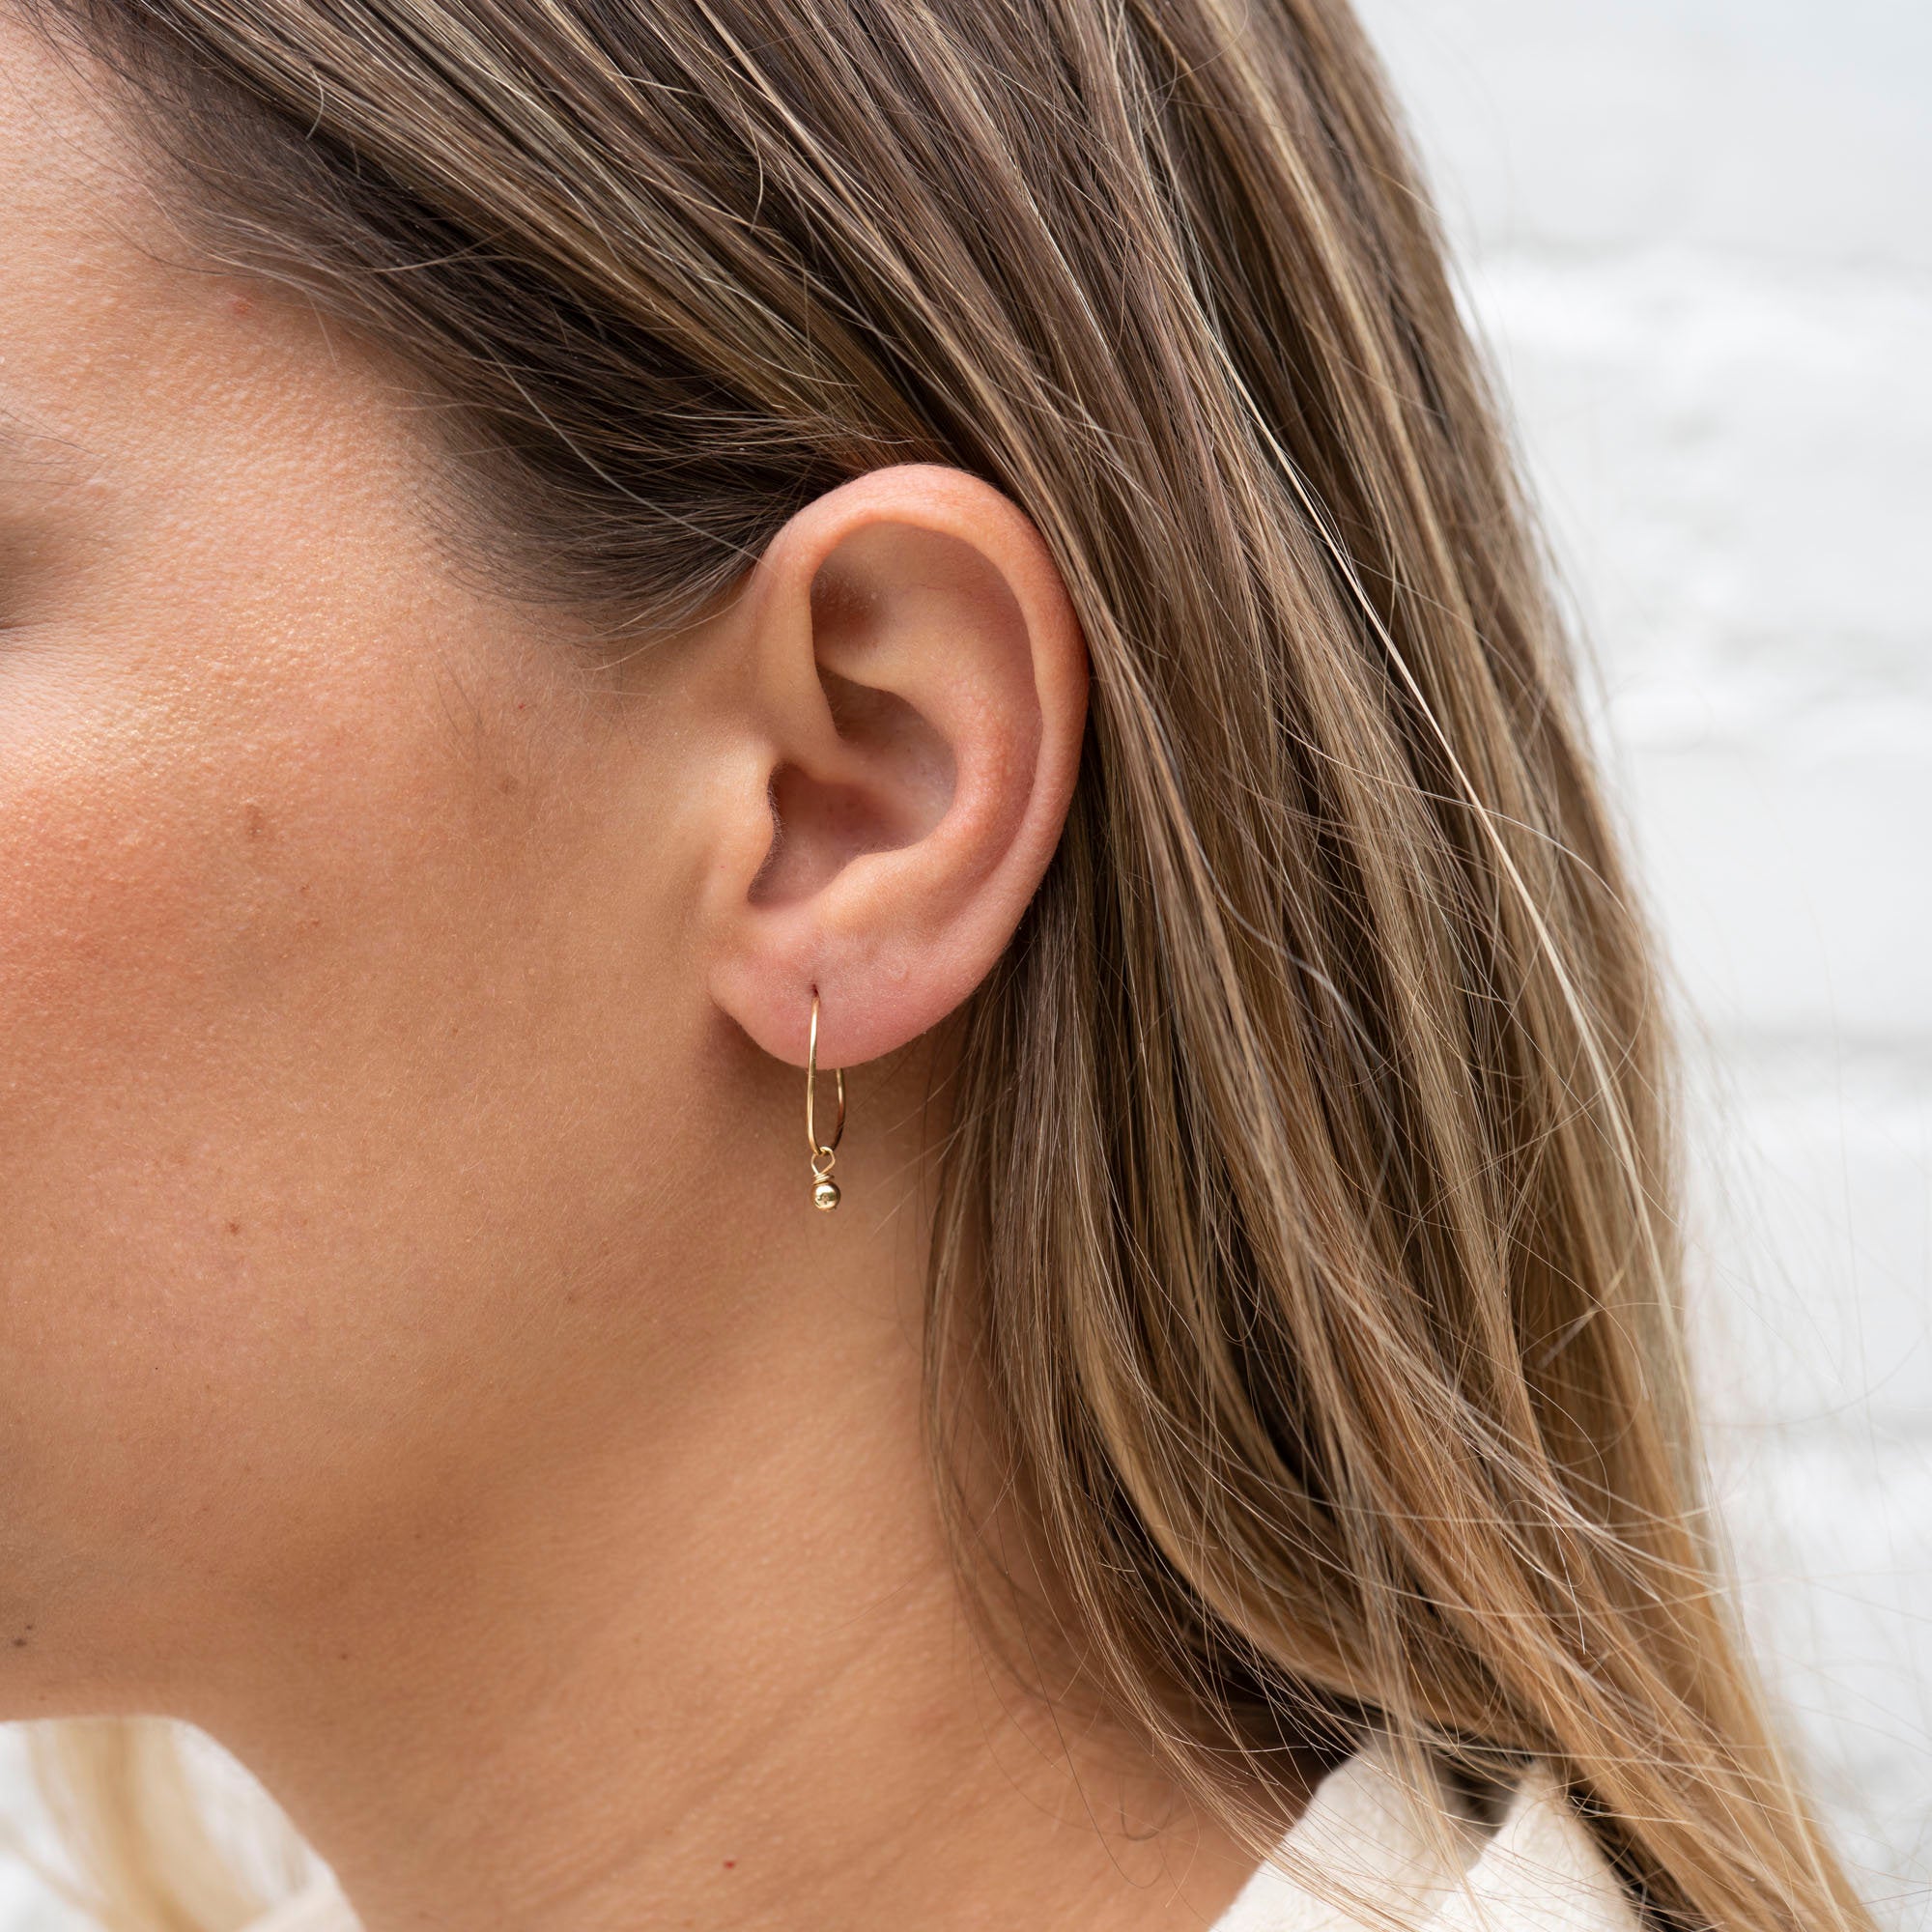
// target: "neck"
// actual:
[[704, 1664]]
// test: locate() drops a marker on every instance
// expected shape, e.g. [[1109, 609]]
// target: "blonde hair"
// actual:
[[1312, 1139]]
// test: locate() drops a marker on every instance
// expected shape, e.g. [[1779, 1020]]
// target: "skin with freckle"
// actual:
[[308, 1012], [423, 1367]]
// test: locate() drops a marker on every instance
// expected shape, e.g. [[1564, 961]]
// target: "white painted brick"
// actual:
[[1729, 457], [1792, 877], [1811, 1214], [1833, 1532], [1783, 127]]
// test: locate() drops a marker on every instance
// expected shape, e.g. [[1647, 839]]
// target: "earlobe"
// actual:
[[913, 702]]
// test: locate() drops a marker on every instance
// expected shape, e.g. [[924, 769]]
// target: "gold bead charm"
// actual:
[[824, 1189]]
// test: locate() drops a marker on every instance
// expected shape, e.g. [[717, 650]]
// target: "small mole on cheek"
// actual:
[[234, 1227], [506, 784]]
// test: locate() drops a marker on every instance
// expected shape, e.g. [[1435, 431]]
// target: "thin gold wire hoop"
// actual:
[[824, 1192]]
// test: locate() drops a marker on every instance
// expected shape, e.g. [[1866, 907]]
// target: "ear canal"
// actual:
[[823, 823]]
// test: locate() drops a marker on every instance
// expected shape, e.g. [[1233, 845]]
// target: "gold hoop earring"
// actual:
[[824, 1189]]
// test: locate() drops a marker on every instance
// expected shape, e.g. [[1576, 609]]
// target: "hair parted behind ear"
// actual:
[[1314, 1132]]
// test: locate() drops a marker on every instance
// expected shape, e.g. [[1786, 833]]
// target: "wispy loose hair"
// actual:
[[1313, 1145]]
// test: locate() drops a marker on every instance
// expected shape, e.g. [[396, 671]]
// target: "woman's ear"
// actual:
[[905, 718]]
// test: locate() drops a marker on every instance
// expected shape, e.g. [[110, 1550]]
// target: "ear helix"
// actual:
[[824, 1191]]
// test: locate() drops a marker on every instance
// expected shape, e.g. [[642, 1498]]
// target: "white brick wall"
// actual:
[[1699, 235]]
